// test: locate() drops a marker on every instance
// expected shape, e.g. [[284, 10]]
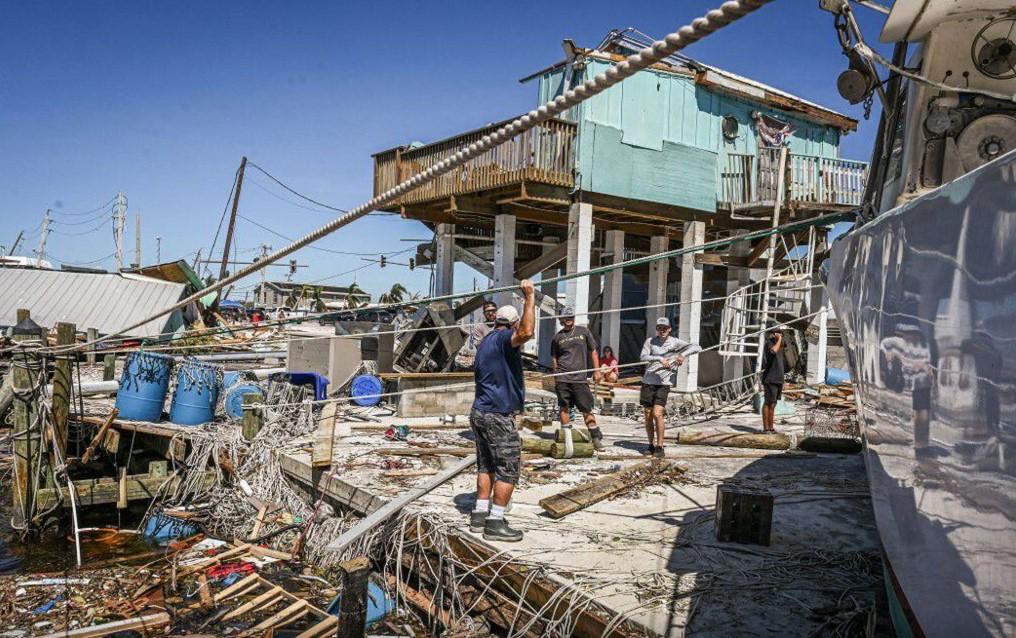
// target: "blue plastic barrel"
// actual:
[[233, 403], [144, 383], [365, 390], [197, 391], [379, 603], [163, 528], [836, 376]]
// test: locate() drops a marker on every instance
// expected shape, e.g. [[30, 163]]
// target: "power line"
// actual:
[[82, 263], [320, 248], [83, 221], [84, 232], [87, 212], [298, 194]]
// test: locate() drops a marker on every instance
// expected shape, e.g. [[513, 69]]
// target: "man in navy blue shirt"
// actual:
[[500, 394]]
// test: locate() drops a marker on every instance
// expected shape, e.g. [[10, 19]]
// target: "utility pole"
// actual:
[[17, 241], [119, 220], [137, 240], [265, 250], [197, 260], [41, 255], [158, 249], [232, 218]]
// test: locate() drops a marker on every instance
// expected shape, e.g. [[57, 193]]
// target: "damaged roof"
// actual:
[[107, 302], [620, 43]]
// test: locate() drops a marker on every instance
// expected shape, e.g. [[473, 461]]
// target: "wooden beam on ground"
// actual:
[[591, 492], [760, 441], [353, 600], [140, 624], [395, 505]]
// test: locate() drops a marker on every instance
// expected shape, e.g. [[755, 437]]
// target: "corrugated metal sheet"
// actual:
[[107, 302]]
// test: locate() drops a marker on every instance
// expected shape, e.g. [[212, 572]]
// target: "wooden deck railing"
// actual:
[[544, 154], [752, 179]]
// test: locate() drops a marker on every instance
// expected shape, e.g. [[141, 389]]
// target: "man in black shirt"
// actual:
[[772, 378], [573, 352]]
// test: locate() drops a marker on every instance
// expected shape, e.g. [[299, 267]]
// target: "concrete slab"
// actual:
[[652, 555]]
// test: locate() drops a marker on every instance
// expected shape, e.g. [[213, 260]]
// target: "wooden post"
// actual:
[[353, 602], [23, 313], [91, 335], [253, 418], [109, 367], [62, 383], [26, 442]]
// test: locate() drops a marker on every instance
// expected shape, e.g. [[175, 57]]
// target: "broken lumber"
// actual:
[[353, 602], [140, 624], [99, 437], [590, 492], [759, 441], [395, 505]]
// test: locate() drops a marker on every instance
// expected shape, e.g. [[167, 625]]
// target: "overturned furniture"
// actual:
[[434, 340]]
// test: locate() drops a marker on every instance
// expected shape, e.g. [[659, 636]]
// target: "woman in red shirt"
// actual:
[[608, 365]]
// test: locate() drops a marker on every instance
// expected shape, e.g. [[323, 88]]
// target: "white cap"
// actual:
[[506, 315], [663, 321]]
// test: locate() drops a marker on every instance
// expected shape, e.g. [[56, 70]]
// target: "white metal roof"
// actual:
[[107, 302]]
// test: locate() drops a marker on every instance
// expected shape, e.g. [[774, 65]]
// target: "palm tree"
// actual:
[[395, 295], [352, 292]]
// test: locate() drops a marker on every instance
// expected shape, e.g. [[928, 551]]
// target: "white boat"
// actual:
[[925, 293]]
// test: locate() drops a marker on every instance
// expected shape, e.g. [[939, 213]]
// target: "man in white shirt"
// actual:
[[663, 354]]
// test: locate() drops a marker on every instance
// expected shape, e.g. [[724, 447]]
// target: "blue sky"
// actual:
[[160, 100]]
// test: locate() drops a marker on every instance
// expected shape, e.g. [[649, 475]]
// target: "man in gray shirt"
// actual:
[[663, 354], [573, 352]]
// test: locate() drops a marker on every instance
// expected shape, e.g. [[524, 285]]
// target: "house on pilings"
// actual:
[[680, 153]]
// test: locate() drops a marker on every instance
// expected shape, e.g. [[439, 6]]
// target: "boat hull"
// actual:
[[925, 296]]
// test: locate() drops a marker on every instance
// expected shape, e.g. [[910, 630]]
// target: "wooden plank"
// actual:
[[324, 436], [421, 601], [283, 617], [142, 624], [106, 490], [353, 602], [395, 505], [319, 629], [590, 492], [238, 586], [262, 601]]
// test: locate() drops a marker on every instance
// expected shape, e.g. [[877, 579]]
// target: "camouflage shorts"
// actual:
[[498, 447]]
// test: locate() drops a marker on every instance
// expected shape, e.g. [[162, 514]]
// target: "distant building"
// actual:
[[296, 295]]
